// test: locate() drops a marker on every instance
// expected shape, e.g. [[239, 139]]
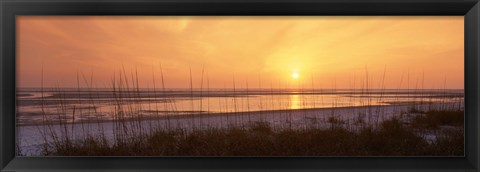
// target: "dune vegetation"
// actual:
[[436, 131]]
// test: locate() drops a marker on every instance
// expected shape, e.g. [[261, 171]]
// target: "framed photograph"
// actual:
[[240, 85]]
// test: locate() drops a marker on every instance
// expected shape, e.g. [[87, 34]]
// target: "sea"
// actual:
[[74, 105]]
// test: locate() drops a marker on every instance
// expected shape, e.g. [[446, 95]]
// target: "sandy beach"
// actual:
[[30, 138]]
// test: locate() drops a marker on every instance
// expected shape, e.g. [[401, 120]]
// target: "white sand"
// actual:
[[30, 137]]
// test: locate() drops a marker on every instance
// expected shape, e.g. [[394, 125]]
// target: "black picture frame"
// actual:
[[9, 9]]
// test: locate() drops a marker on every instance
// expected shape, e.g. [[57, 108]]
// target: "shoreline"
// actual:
[[246, 113], [30, 137]]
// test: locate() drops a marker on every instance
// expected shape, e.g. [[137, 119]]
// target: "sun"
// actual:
[[295, 75]]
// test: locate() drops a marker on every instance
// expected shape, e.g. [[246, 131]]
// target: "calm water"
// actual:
[[100, 104]]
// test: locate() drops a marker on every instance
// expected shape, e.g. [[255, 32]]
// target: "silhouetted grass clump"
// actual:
[[390, 138], [434, 119], [451, 142], [393, 138]]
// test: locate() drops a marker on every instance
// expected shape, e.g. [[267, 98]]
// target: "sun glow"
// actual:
[[290, 49], [295, 75]]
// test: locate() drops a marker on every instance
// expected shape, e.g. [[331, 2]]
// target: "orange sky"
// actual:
[[328, 49]]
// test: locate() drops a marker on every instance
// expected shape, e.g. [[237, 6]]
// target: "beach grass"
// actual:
[[434, 119], [368, 135], [392, 138]]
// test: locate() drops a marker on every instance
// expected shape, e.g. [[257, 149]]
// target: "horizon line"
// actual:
[[249, 88]]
